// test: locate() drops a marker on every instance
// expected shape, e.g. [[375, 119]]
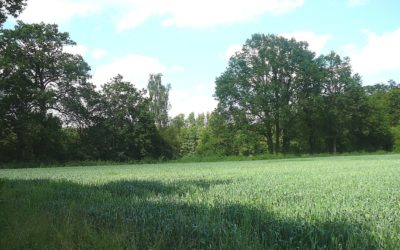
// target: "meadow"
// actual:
[[343, 202]]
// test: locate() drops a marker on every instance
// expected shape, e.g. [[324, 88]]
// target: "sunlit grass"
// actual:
[[330, 202]]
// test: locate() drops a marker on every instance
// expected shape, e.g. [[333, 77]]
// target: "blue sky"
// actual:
[[190, 41]]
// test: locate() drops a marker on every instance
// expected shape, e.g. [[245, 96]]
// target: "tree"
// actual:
[[338, 84], [394, 103], [217, 137], [159, 99], [34, 54], [189, 135], [40, 85], [308, 122], [125, 129], [375, 126], [259, 86], [10, 7], [383, 115]]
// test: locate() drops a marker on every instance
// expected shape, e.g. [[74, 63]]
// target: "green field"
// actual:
[[348, 202]]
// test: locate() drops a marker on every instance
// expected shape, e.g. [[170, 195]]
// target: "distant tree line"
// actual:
[[275, 96]]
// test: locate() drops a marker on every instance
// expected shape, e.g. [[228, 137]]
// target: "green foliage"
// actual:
[[37, 80], [125, 128], [216, 138], [10, 8], [210, 135], [260, 84], [274, 97], [189, 140], [394, 103], [337, 82], [276, 91], [186, 133], [396, 135], [331, 203], [50, 112], [159, 100]]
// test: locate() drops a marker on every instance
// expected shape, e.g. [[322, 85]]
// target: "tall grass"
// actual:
[[327, 202], [186, 159]]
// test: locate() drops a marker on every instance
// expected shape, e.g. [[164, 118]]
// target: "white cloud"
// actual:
[[56, 11], [133, 68], [83, 51], [206, 13], [181, 13], [136, 69], [98, 53], [76, 49], [198, 100], [316, 42], [231, 50], [380, 53]]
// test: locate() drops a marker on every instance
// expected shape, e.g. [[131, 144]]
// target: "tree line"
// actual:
[[297, 102], [275, 96]]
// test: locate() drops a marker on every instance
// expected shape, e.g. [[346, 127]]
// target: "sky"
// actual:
[[190, 42]]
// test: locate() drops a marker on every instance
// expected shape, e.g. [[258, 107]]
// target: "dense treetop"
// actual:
[[10, 8]]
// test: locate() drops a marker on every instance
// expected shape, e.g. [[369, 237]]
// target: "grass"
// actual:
[[345, 202], [186, 159]]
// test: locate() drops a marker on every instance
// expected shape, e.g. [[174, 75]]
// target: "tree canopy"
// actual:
[[275, 96], [10, 8], [159, 99], [261, 83], [279, 89]]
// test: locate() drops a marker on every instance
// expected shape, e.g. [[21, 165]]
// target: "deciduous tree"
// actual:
[[260, 85], [159, 99], [40, 84]]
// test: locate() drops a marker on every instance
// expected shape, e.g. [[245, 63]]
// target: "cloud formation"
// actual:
[[380, 53], [137, 68], [98, 53], [231, 50], [206, 13], [56, 11], [180, 13], [316, 42], [134, 68], [197, 100], [76, 49]]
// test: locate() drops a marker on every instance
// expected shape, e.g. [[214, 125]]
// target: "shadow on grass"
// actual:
[[149, 214]]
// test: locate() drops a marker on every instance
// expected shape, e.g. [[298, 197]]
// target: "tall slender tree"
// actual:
[[338, 81], [159, 99]]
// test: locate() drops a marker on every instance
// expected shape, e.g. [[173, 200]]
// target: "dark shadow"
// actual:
[[148, 215]]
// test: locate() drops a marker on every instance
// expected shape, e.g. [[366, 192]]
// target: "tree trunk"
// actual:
[[277, 138], [285, 141], [270, 141], [334, 145], [311, 144], [42, 99]]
